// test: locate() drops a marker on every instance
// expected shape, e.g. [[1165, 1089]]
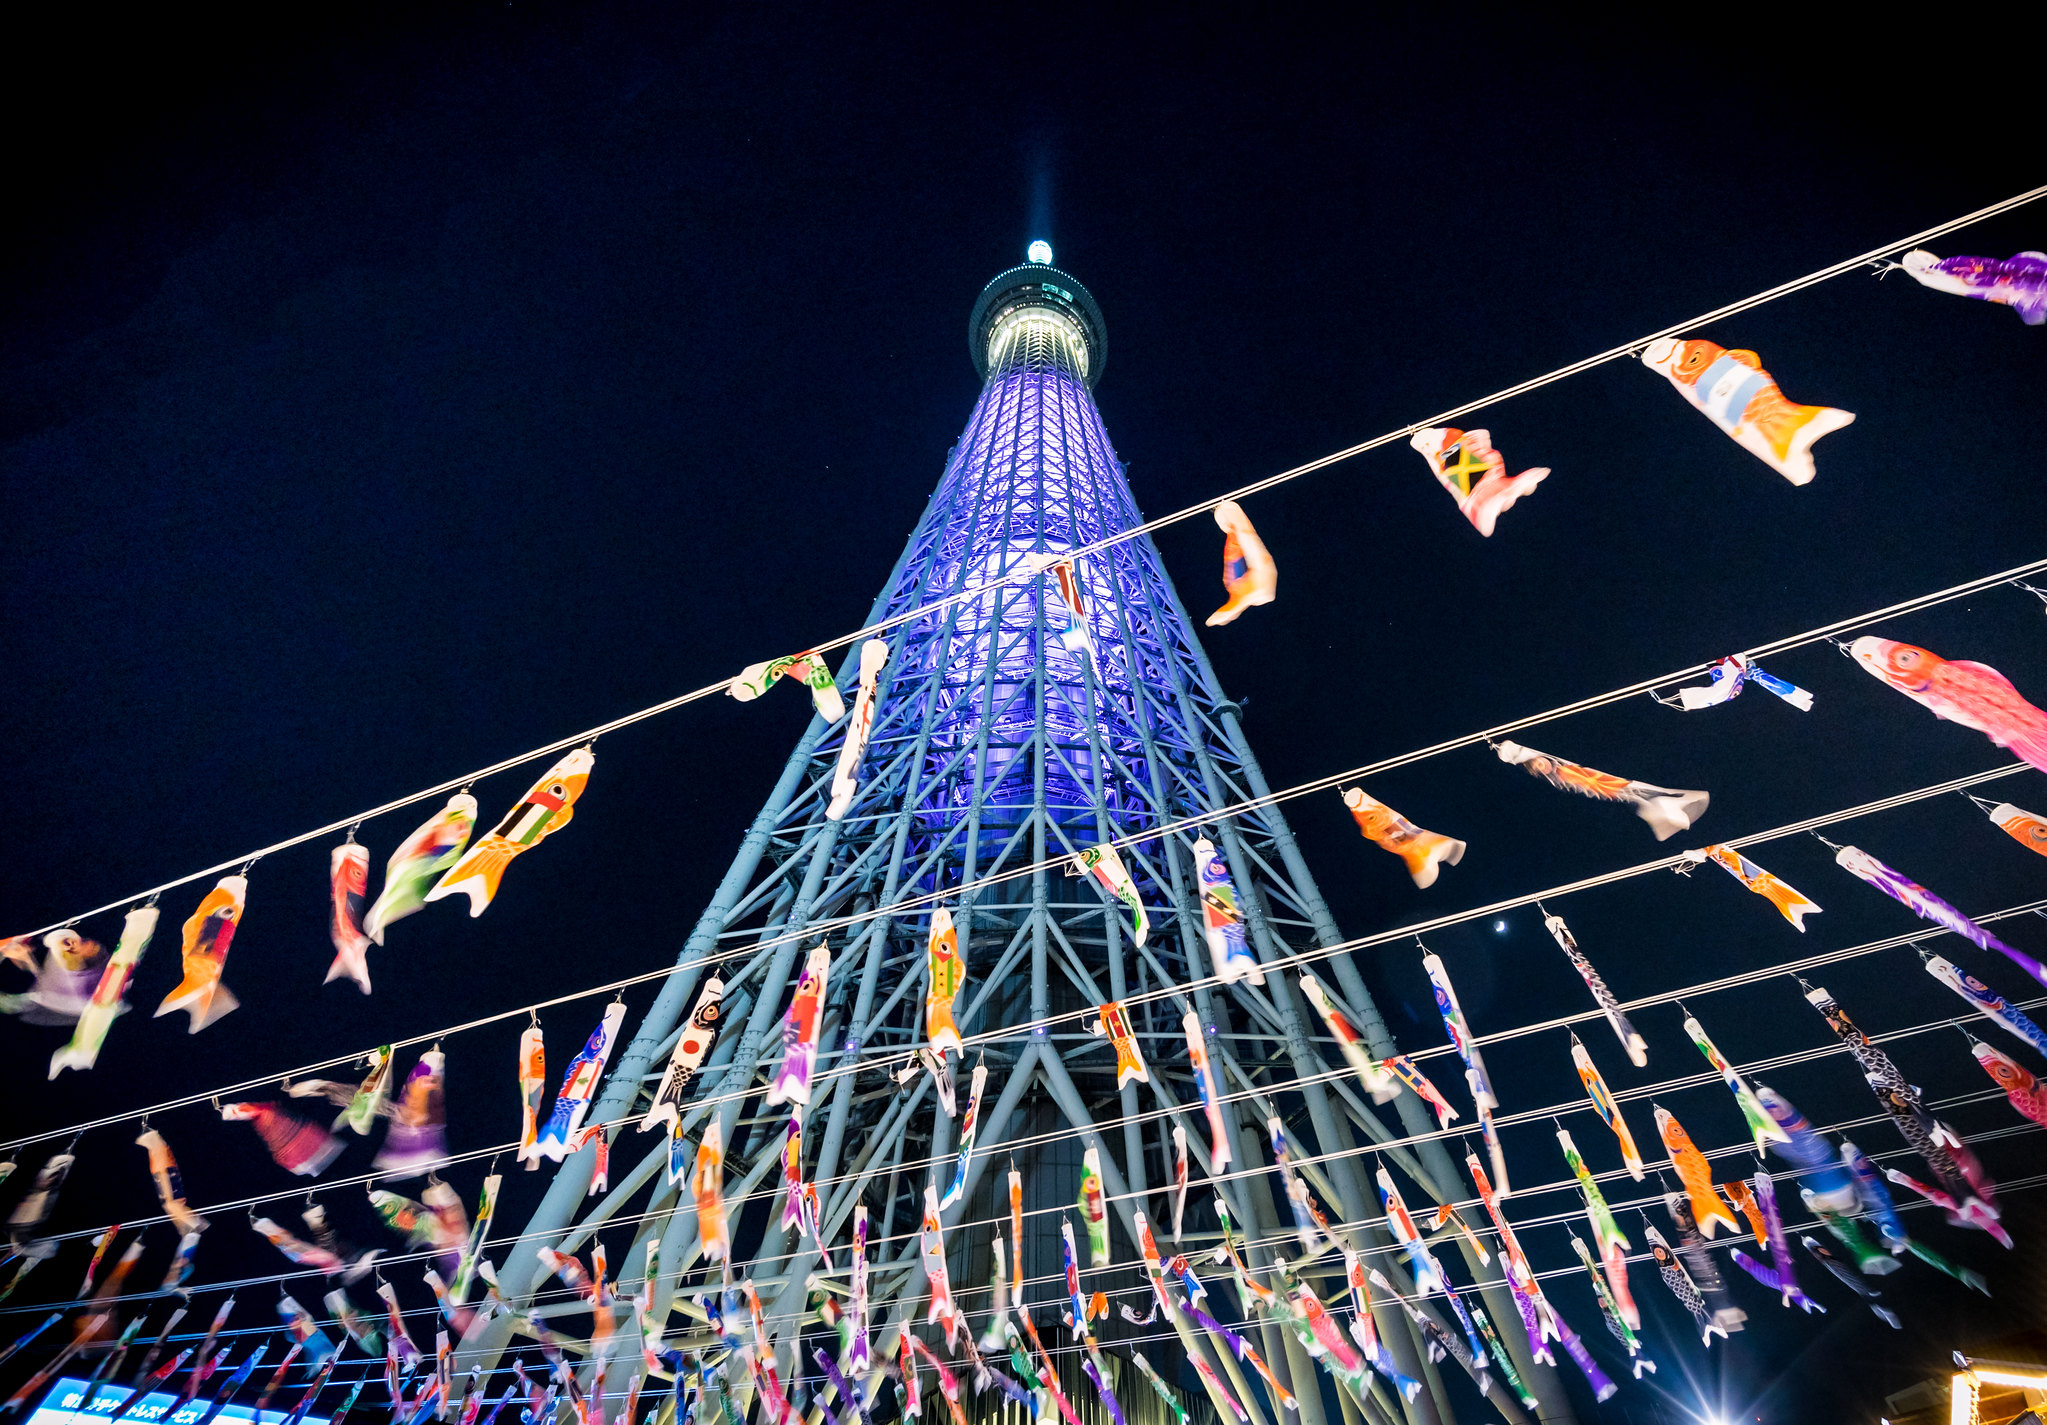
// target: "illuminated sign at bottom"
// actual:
[[64, 1404]]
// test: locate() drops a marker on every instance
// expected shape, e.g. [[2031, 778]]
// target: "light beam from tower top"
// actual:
[[1034, 294]]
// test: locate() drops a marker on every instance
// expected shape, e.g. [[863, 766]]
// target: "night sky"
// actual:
[[382, 398]]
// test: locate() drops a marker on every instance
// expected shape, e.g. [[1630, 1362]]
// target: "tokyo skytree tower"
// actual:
[[1012, 729]]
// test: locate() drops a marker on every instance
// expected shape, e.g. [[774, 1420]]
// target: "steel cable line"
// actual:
[[1060, 1347], [904, 904], [1306, 1267], [1172, 992], [1027, 571], [1247, 1173]]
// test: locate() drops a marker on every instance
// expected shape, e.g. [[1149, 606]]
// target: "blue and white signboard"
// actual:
[[61, 1406]]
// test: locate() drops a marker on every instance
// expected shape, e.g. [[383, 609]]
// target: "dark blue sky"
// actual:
[[381, 400]]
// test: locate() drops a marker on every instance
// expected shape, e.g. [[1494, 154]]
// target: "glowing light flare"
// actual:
[[1040, 252]]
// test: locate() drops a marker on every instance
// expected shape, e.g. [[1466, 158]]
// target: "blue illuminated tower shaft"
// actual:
[[1009, 735]]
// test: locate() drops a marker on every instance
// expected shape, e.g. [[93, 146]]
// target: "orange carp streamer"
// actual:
[[1425, 852], [1690, 1164]]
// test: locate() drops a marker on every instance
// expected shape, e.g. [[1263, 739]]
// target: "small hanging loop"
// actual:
[[1830, 845]]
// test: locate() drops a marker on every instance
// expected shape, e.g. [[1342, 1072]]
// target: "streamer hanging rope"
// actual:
[[1294, 961], [1032, 570]]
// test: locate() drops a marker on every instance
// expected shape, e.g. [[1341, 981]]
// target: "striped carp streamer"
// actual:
[[1365, 1331], [1465, 464], [1309, 1223], [1078, 635], [1094, 1208], [1731, 389], [707, 1187], [1781, 1276], [1222, 918], [1108, 870], [1825, 1184], [418, 1136], [1760, 1125], [1681, 1285], [969, 1129], [1665, 810], [1424, 853], [1179, 1179], [846, 773], [792, 1173], [1613, 1243], [547, 807], [419, 862], [532, 1089], [1211, 1093], [1993, 1005], [1378, 1082], [807, 668], [686, 1060], [859, 1350], [579, 1086], [1475, 1076], [1603, 1104], [1249, 575], [1790, 904], [295, 1144], [1637, 1047], [163, 1169], [800, 1028], [97, 1017], [1623, 1331], [932, 1247]]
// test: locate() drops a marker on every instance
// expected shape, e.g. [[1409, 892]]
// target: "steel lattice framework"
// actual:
[[1003, 741]]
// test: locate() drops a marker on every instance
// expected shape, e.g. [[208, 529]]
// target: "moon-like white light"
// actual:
[[1040, 251]]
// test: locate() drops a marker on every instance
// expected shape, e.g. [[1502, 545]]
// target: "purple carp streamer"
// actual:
[[1928, 906], [2018, 282]]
